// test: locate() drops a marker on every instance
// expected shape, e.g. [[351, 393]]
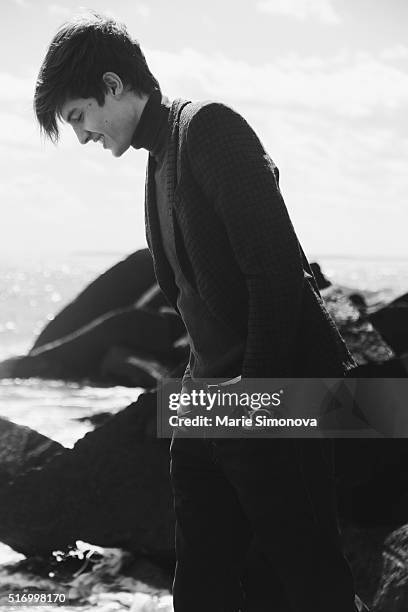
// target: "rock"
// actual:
[[96, 420], [136, 331], [392, 592], [363, 549], [392, 368], [22, 449], [392, 323], [117, 348], [28, 366], [118, 287], [8, 366], [363, 341], [139, 369], [122, 311], [111, 489], [321, 280], [377, 337], [372, 489], [359, 302]]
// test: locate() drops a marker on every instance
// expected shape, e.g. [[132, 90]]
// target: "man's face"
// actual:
[[112, 124]]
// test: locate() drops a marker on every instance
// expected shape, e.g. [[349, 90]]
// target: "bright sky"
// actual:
[[323, 82]]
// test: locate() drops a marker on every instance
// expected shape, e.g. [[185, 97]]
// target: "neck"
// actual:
[[140, 102]]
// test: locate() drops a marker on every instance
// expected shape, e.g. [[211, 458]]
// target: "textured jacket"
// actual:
[[237, 247]]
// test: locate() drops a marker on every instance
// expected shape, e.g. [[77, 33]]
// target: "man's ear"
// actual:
[[113, 83]]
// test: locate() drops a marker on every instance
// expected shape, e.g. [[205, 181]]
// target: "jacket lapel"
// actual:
[[163, 270], [164, 273]]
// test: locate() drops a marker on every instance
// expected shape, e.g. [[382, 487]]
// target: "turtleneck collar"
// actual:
[[150, 133]]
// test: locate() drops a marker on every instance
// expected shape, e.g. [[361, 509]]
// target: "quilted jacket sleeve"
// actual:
[[240, 180]]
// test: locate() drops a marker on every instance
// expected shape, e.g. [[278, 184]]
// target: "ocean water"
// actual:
[[33, 291], [385, 278]]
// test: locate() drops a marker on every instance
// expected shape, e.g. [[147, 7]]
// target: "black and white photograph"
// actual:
[[204, 311]]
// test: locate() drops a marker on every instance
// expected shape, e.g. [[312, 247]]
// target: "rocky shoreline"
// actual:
[[112, 489]]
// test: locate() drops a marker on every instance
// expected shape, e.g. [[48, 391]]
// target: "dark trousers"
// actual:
[[256, 519]]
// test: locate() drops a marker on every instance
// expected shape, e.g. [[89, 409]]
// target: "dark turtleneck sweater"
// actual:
[[215, 350], [151, 134], [151, 131]]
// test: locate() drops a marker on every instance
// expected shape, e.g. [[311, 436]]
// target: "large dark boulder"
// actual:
[[392, 591], [117, 348], [372, 481], [363, 341], [379, 558], [137, 330], [392, 323], [110, 334], [22, 449], [112, 488], [321, 281], [120, 286]]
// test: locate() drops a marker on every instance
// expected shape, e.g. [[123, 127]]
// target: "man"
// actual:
[[227, 258]]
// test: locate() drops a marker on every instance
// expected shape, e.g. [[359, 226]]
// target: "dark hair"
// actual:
[[79, 54]]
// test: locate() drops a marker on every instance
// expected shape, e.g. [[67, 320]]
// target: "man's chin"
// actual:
[[119, 151]]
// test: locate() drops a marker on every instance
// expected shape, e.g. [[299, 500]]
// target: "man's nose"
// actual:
[[83, 135]]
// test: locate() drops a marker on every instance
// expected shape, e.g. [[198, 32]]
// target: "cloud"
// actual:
[[15, 88], [139, 9], [334, 126], [19, 131], [143, 10], [322, 10], [344, 85], [343, 181], [398, 52], [59, 10]]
